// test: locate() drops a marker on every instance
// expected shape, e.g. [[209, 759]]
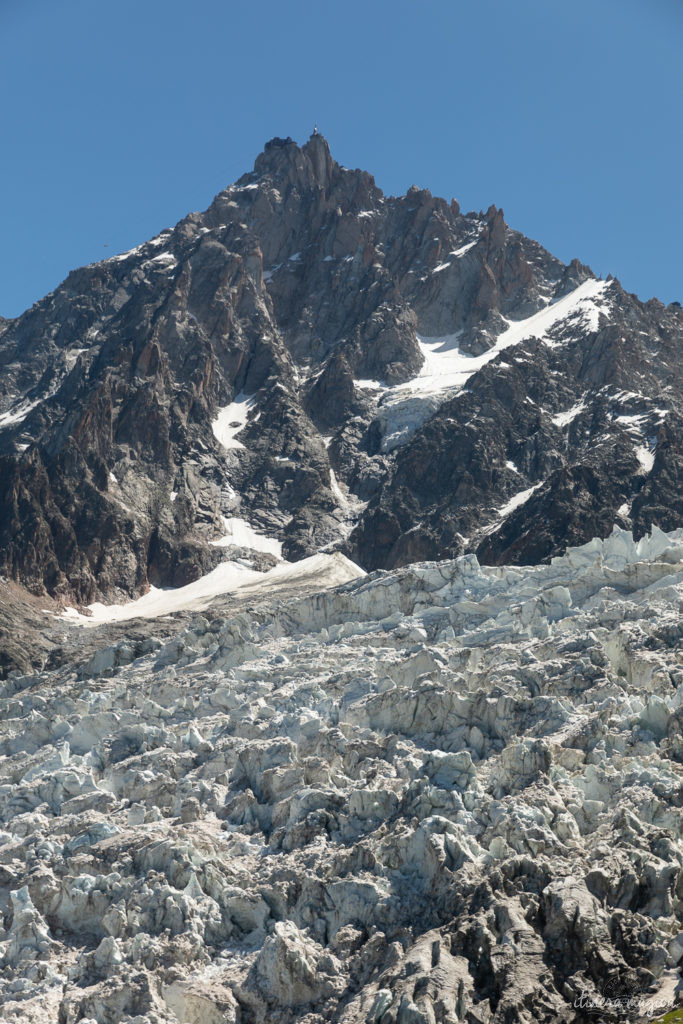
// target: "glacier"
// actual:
[[439, 793]]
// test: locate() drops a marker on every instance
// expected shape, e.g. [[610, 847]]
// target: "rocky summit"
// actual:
[[337, 370], [341, 673]]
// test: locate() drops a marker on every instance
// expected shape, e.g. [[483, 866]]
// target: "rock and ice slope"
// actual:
[[338, 370], [435, 794]]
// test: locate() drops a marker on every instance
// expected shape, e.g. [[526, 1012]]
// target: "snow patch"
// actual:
[[240, 533], [579, 304], [71, 357], [585, 307], [223, 579], [165, 260], [632, 422], [562, 419], [231, 419], [463, 249], [229, 577], [153, 242], [337, 491], [645, 457], [18, 414], [517, 500]]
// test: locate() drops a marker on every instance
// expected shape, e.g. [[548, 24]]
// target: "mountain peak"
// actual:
[[308, 165], [337, 368]]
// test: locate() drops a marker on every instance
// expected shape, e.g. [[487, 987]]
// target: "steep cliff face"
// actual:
[[338, 369]]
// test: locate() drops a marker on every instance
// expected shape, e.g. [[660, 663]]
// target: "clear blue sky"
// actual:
[[120, 116]]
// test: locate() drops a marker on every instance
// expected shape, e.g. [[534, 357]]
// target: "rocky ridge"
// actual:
[[446, 792], [337, 370]]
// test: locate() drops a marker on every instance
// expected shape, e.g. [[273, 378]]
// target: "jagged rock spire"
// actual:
[[307, 165]]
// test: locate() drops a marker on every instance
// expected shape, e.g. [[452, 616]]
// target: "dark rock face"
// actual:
[[306, 288]]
